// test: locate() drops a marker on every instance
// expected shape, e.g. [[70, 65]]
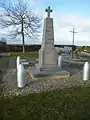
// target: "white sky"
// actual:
[[66, 16]]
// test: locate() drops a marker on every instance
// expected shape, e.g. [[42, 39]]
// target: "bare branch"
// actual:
[[21, 19]]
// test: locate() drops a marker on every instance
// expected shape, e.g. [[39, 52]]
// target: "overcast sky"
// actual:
[[66, 14]]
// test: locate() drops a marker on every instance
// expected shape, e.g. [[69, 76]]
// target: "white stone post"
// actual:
[[60, 61], [86, 71], [18, 61], [21, 76]]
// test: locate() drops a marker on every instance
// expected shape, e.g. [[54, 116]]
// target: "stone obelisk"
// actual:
[[47, 53]]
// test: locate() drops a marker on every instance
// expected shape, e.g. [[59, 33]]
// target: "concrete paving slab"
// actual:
[[52, 74], [25, 63], [23, 60]]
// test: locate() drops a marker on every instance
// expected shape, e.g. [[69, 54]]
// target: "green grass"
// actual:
[[67, 104], [14, 55]]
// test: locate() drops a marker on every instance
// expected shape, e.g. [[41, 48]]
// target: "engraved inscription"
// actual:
[[49, 58]]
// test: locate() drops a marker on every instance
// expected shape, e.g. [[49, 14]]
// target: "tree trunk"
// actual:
[[22, 32]]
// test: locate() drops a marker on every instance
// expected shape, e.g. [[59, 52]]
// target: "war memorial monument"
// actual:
[[48, 59]]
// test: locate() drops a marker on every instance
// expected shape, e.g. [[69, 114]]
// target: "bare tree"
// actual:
[[21, 20], [3, 40]]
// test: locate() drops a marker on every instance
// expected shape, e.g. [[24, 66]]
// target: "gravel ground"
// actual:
[[10, 88]]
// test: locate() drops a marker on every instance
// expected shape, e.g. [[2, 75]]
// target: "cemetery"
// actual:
[[47, 69], [47, 74]]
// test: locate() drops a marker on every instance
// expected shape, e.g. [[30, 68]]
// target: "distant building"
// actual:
[[66, 49]]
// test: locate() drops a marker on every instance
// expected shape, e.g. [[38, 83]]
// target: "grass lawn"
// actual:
[[14, 55], [67, 104]]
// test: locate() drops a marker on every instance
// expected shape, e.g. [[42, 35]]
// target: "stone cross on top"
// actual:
[[48, 10]]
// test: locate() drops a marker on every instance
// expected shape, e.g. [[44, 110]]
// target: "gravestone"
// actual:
[[47, 53]]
